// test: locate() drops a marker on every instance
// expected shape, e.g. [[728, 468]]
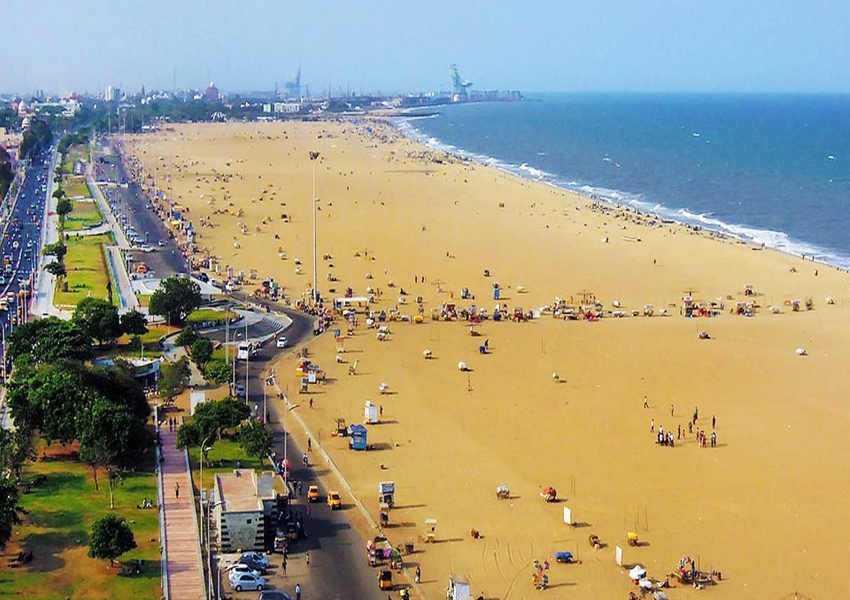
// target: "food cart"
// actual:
[[357, 437]]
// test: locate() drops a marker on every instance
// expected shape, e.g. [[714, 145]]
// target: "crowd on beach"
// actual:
[[668, 439]]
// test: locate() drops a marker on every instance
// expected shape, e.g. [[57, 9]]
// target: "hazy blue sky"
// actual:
[[649, 45]]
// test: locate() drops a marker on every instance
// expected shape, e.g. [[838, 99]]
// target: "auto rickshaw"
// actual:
[[385, 579]]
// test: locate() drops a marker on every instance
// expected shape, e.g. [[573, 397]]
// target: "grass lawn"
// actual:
[[150, 341], [84, 215], [209, 315], [56, 528], [76, 187], [226, 455], [87, 274]]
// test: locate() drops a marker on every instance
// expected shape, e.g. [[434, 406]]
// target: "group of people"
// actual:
[[540, 577], [668, 439]]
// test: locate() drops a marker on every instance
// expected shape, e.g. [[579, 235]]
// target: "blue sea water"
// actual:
[[772, 169]]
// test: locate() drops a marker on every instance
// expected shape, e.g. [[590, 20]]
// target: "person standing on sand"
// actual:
[[418, 575], [690, 426], [671, 410], [679, 433], [713, 439], [696, 413], [652, 424], [713, 421], [645, 403]]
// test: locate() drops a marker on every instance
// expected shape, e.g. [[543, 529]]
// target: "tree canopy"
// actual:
[[255, 439], [49, 340], [202, 350], [99, 318], [174, 378], [8, 510], [210, 420], [175, 298], [134, 323], [110, 538]]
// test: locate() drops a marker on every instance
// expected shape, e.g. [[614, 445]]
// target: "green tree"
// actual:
[[217, 371], [57, 249], [56, 268], [202, 350], [9, 510], [186, 337], [255, 439], [110, 538], [64, 208], [175, 298], [134, 323], [173, 379], [59, 193], [188, 436], [49, 340], [110, 435], [16, 448], [210, 420], [99, 318]]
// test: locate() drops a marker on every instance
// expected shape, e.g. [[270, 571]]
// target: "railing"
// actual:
[[162, 541]]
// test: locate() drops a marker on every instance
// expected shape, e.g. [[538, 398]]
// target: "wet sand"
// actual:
[[765, 507]]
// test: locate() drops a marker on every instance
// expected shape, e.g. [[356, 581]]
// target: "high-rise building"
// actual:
[[112, 93]]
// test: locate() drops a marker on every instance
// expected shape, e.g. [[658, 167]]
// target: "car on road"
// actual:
[[282, 342], [246, 581], [313, 493], [334, 500], [161, 243], [147, 248], [240, 390], [15, 245]]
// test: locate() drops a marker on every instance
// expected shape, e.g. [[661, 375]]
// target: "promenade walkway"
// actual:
[[185, 577]]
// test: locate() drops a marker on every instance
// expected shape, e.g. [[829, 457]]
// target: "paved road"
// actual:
[[132, 209], [338, 568], [21, 245]]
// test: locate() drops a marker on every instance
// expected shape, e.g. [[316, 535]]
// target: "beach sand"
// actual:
[[765, 507]]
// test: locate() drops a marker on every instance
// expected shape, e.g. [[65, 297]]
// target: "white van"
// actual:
[[246, 350]]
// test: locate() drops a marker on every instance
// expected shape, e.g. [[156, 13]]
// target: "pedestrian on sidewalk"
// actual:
[[177, 490], [297, 591], [283, 566], [418, 575], [309, 444]]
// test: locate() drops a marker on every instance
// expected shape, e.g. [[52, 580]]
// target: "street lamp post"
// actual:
[[211, 506], [313, 157]]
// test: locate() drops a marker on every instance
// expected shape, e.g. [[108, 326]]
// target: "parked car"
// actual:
[[253, 564], [256, 556], [240, 568], [273, 595], [246, 581]]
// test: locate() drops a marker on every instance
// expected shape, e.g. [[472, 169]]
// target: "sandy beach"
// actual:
[[765, 506]]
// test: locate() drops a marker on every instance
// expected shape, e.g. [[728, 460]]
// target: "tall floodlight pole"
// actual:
[[313, 157]]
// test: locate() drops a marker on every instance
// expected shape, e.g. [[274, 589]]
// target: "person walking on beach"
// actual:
[[652, 424], [311, 403], [690, 426], [713, 421], [309, 444], [696, 413], [679, 433], [671, 410], [307, 556], [713, 439], [645, 403], [297, 591]]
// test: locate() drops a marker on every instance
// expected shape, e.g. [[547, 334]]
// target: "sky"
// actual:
[[400, 46]]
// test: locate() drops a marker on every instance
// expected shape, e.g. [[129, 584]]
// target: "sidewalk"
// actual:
[[46, 283], [185, 579], [127, 300]]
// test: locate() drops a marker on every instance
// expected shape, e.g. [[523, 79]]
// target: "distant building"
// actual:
[[112, 94], [211, 93], [267, 108], [287, 107], [246, 509]]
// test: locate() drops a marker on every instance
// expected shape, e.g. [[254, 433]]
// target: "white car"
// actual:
[[240, 568], [246, 581], [15, 245], [282, 342]]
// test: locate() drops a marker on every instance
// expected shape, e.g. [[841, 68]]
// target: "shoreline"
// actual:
[[533, 174]]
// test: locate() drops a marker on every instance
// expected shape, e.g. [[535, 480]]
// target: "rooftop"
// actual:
[[243, 490]]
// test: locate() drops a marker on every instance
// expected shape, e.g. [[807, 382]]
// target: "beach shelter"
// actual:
[[458, 588], [370, 413], [357, 437], [637, 573]]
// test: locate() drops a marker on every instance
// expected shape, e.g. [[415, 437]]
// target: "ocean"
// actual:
[[771, 169]]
